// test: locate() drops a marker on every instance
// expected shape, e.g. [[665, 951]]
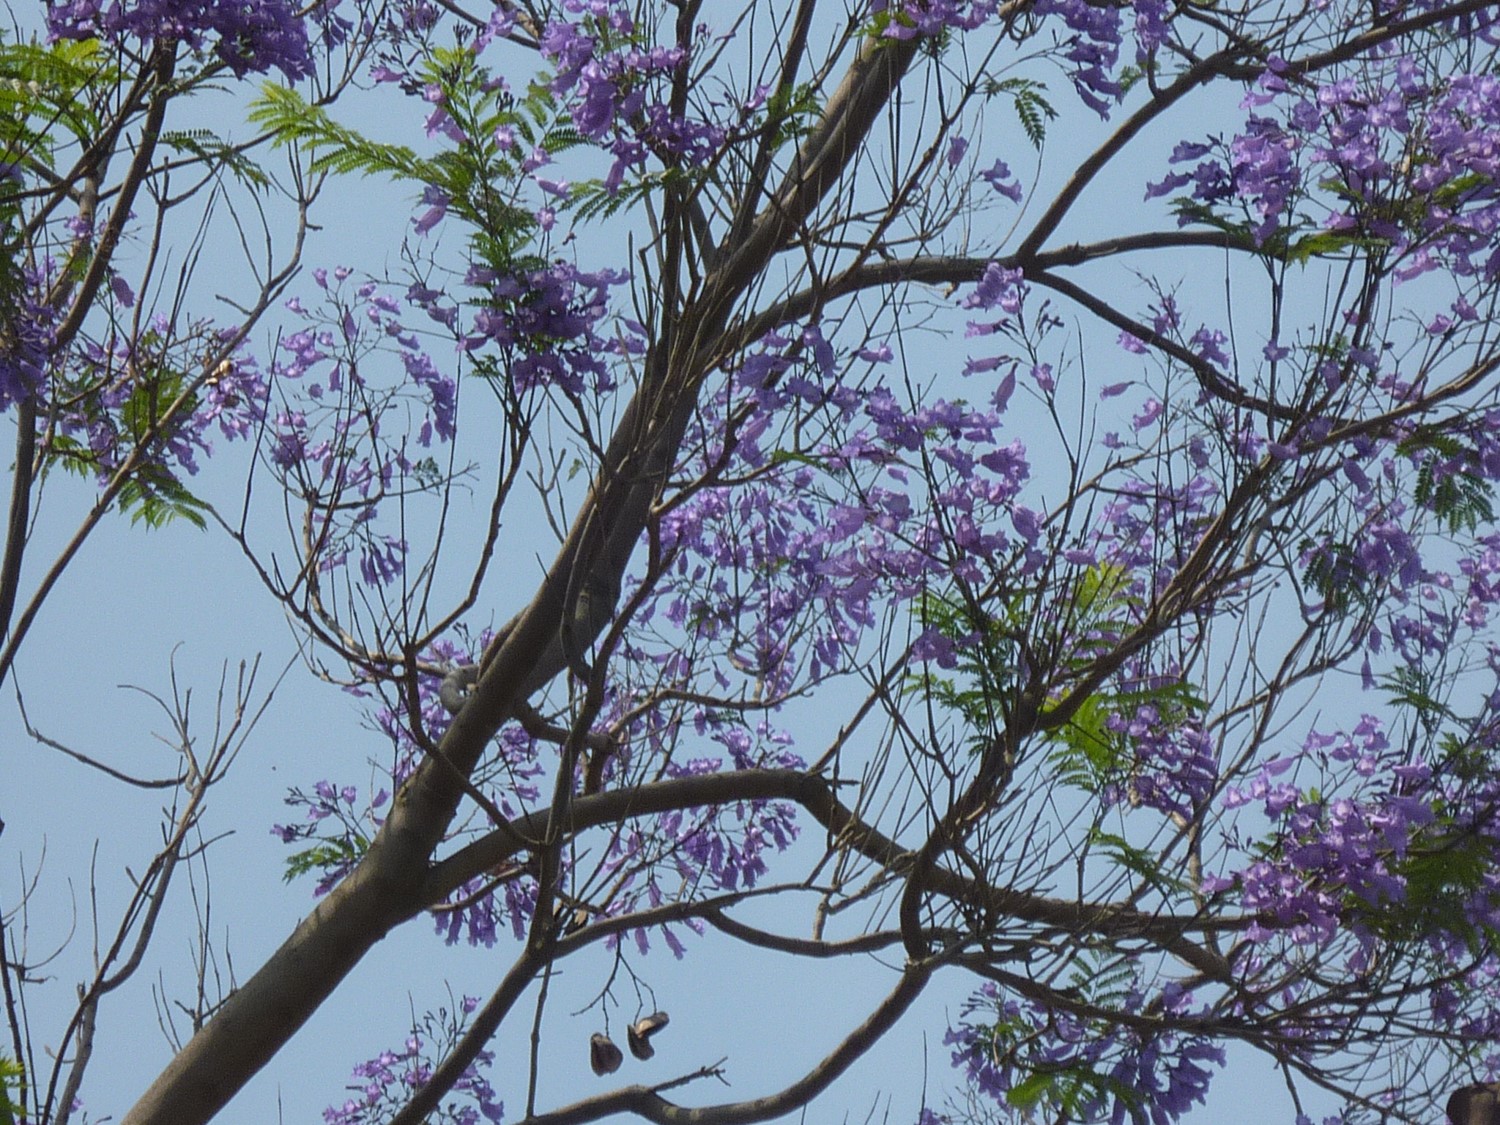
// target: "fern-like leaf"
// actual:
[[292, 121]]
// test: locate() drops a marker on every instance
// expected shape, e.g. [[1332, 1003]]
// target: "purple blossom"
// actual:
[[999, 177], [437, 202], [1000, 1043], [1175, 763], [250, 38], [618, 90], [1091, 51], [385, 1083], [998, 287]]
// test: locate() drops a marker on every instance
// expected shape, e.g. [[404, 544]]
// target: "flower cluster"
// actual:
[[385, 1083], [326, 441], [710, 850], [1342, 861], [1092, 51], [820, 499], [684, 854], [143, 393], [1390, 155], [724, 848], [618, 87], [1174, 764], [805, 556], [544, 325], [910, 18], [25, 364], [482, 907], [1096, 1072], [250, 38]]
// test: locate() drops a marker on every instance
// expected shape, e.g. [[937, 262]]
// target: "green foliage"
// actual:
[[1029, 100], [1454, 192], [592, 200], [881, 21], [1297, 243], [1068, 1088], [332, 148], [1447, 484], [1411, 688], [793, 112], [1466, 758], [1411, 210], [1072, 1086], [48, 97], [12, 1081], [1088, 755], [1335, 576], [155, 497], [1442, 878], [157, 403], [427, 472], [987, 653], [154, 391], [205, 146], [1064, 1089], [1132, 75], [1144, 862], [1191, 211], [1100, 612], [479, 178], [1085, 752], [1448, 864], [1330, 244], [329, 854]]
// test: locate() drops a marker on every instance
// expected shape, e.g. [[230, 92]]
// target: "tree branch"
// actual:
[[644, 1101]]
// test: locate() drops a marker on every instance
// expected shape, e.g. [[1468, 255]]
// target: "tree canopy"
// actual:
[[1003, 491]]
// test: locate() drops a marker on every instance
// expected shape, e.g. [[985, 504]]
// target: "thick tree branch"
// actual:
[[846, 828], [963, 269], [386, 884]]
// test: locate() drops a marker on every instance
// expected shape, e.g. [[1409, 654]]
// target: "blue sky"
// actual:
[[137, 600]]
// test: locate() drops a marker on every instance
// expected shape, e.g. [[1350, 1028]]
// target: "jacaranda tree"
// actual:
[[1005, 488]]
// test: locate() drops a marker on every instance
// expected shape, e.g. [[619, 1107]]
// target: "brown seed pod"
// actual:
[[1475, 1105], [604, 1056], [639, 1034]]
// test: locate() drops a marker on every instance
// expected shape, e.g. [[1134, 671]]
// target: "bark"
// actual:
[[385, 887]]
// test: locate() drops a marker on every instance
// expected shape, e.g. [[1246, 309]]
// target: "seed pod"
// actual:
[[604, 1056], [639, 1034], [1475, 1105]]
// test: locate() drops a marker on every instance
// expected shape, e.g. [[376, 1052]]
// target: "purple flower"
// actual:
[[251, 38], [1000, 287], [437, 202], [998, 176]]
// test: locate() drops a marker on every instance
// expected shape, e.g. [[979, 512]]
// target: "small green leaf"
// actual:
[[12, 1079], [293, 121], [324, 856], [156, 498], [1025, 1095]]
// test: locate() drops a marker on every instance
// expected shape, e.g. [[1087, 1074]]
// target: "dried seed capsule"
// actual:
[[639, 1034], [604, 1056]]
